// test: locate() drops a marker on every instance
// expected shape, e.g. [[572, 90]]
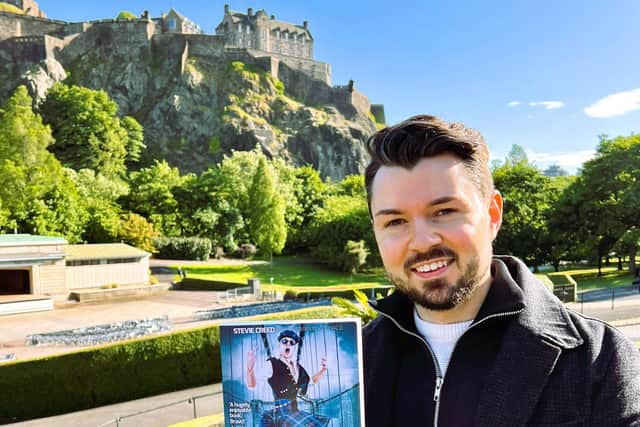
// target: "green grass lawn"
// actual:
[[587, 277], [289, 273]]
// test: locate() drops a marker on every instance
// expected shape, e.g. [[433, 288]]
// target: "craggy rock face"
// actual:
[[196, 105]]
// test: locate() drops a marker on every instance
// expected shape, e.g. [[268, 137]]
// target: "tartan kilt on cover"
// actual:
[[282, 416]]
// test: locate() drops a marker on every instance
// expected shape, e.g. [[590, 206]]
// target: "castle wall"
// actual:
[[205, 45], [315, 69], [12, 25], [29, 49]]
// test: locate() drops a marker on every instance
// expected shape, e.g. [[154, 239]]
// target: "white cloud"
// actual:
[[548, 105], [615, 104], [569, 161], [513, 103]]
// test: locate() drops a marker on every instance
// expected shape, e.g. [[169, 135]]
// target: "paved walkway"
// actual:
[[157, 411]]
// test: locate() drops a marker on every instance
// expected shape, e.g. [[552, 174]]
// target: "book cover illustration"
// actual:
[[292, 373]]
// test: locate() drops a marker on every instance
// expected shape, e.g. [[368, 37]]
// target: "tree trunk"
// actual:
[[619, 263], [556, 265], [632, 261]]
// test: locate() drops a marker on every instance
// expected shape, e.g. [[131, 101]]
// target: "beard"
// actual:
[[439, 294]]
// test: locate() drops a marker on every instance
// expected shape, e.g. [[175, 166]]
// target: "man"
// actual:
[[469, 339], [287, 379]]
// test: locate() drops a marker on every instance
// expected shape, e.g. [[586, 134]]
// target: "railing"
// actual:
[[137, 415]]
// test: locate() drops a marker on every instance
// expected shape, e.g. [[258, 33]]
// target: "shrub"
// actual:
[[354, 256], [194, 248], [246, 251]]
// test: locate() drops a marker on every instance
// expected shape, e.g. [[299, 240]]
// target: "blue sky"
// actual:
[[548, 75]]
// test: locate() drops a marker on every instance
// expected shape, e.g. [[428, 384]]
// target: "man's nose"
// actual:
[[424, 236]]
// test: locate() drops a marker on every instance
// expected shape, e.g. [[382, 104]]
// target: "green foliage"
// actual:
[[125, 14], [87, 131], [528, 196], [353, 185], [195, 248], [38, 195], [6, 7], [137, 231], [109, 374], [135, 138], [354, 256], [214, 145], [152, 196], [360, 308], [279, 87], [265, 220], [341, 219]]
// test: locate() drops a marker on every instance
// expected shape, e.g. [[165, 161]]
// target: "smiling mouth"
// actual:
[[432, 266]]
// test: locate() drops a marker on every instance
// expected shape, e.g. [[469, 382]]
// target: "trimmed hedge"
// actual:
[[302, 295], [192, 248], [193, 284], [119, 372]]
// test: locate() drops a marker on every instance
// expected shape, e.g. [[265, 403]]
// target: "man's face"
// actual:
[[434, 230], [288, 347]]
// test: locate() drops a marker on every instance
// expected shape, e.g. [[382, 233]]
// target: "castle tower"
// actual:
[[29, 7], [258, 31]]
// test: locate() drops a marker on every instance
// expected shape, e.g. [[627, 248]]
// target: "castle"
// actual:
[[283, 49]]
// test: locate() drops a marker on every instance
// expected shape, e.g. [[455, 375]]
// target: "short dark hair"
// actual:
[[418, 137], [287, 333]]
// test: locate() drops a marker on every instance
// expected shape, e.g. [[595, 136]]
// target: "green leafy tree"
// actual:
[[342, 218], [527, 198], [99, 195], [87, 130], [207, 209], [265, 221], [137, 231], [152, 196], [37, 194]]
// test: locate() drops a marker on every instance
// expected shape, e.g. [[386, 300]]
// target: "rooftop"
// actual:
[[30, 240], [102, 251]]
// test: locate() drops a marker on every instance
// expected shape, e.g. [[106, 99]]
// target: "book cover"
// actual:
[[292, 373]]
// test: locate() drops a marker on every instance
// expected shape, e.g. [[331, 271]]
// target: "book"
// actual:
[[292, 373]]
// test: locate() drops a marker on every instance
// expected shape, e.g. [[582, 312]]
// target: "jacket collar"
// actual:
[[514, 290]]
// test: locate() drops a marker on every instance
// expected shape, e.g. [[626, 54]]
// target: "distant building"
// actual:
[[261, 32], [29, 7], [42, 267], [174, 22]]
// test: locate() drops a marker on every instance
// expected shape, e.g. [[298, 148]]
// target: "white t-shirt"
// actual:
[[442, 337]]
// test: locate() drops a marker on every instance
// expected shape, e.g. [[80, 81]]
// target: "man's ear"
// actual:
[[495, 213]]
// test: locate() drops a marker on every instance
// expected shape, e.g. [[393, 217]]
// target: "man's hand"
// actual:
[[323, 369], [251, 363], [251, 359]]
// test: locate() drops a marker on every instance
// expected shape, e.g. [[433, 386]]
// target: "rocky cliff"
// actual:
[[197, 104]]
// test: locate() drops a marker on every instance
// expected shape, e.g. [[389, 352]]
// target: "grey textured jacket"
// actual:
[[526, 360]]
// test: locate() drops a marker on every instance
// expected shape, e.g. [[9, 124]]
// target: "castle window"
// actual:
[[248, 29], [239, 28], [278, 35], [172, 24]]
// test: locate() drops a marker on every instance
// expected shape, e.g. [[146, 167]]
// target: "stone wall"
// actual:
[[29, 49], [205, 45], [12, 25], [314, 69]]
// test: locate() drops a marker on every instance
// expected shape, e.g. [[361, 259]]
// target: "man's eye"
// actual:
[[443, 212], [394, 222]]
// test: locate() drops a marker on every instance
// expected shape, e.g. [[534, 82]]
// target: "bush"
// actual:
[[246, 251], [193, 248]]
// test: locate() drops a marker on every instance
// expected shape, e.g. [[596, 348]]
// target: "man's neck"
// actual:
[[468, 310]]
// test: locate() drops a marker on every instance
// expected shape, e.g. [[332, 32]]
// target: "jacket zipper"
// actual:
[[439, 376]]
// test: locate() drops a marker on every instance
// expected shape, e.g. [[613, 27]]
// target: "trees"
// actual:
[[88, 132], [527, 198], [265, 219], [37, 194]]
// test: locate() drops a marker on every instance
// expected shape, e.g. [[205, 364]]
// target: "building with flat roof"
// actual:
[[46, 267]]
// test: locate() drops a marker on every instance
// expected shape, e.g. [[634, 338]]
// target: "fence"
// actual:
[[590, 302], [172, 412]]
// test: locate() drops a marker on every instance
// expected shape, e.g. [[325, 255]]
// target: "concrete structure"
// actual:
[[42, 268]]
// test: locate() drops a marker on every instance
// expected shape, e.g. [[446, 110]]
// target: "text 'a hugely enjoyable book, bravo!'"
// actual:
[[292, 373]]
